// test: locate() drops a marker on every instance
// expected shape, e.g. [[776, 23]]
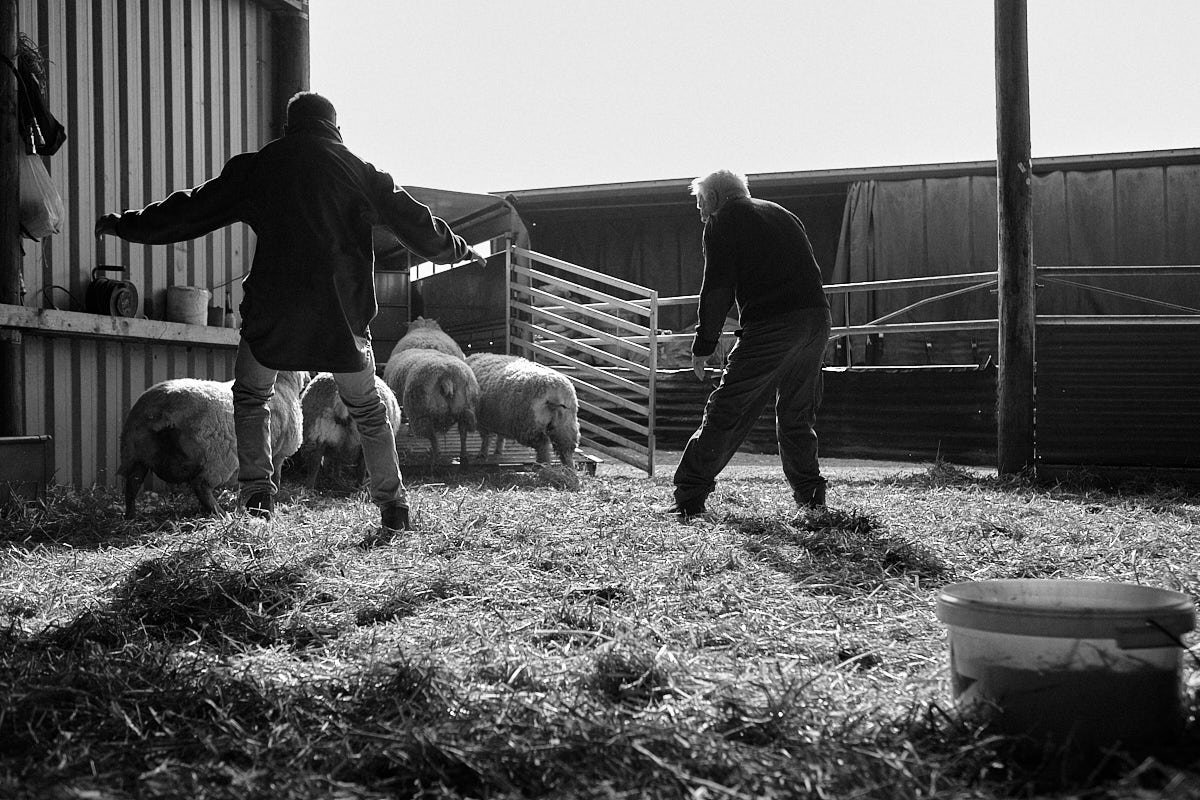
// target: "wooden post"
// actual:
[[12, 375], [1014, 192], [290, 38]]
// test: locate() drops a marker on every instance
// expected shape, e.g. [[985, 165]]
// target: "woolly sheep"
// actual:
[[328, 428], [437, 391], [182, 431], [527, 402], [426, 334]]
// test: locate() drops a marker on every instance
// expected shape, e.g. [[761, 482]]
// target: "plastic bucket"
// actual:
[[1090, 662], [188, 304]]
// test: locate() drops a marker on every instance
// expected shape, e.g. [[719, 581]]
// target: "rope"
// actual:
[[1124, 295]]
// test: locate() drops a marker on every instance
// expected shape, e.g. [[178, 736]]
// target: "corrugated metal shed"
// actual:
[[155, 96]]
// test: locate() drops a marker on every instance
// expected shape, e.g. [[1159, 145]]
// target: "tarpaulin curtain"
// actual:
[[945, 226]]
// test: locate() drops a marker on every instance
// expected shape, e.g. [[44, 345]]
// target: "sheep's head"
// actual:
[[422, 323], [296, 381]]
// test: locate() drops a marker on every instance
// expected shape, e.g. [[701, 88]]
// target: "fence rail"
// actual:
[[602, 332], [975, 281]]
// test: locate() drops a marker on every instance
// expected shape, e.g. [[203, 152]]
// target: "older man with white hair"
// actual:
[[757, 254]]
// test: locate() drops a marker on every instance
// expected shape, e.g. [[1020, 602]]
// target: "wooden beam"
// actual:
[[1014, 191], [49, 322], [12, 381]]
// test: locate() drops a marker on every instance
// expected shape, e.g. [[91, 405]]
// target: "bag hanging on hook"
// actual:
[[42, 207]]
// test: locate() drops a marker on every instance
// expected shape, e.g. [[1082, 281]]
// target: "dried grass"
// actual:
[[545, 635]]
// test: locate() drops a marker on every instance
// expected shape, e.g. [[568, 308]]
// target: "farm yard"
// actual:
[[542, 633], [542, 636]]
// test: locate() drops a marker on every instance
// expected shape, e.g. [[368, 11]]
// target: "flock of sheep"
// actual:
[[182, 429]]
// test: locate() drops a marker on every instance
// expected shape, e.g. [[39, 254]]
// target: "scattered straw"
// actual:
[[545, 634]]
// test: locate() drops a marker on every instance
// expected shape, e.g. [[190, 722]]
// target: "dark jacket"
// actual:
[[757, 253], [312, 204]]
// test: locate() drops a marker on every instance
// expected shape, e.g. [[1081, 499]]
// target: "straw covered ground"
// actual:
[[543, 635]]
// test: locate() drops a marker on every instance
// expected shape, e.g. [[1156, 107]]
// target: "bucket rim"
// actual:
[[1133, 614]]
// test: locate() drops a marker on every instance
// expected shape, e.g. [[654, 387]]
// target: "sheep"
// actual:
[[528, 402], [437, 391], [426, 334], [182, 431], [328, 428]]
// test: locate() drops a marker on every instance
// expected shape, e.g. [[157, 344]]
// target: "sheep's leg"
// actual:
[[543, 452], [360, 468], [462, 444], [314, 466], [566, 458], [499, 445], [133, 485], [483, 445], [204, 494], [435, 452]]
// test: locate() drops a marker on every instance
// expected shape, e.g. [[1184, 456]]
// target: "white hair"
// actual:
[[723, 184]]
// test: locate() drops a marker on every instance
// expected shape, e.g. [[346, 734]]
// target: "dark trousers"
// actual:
[[781, 357]]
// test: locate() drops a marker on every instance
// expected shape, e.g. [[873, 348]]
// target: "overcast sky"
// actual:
[[484, 95]]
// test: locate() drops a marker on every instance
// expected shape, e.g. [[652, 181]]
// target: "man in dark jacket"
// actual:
[[756, 253], [310, 294]]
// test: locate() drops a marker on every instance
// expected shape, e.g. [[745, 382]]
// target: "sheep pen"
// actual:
[[182, 431], [516, 645]]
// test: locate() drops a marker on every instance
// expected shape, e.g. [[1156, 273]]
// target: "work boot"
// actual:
[[683, 512], [815, 500], [261, 505], [395, 517]]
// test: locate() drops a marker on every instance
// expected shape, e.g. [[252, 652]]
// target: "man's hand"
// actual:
[[698, 363], [475, 256], [107, 225]]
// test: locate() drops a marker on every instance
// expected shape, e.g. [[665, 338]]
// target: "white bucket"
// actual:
[[1089, 662], [188, 304]]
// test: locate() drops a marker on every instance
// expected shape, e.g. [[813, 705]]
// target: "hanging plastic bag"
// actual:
[[41, 205]]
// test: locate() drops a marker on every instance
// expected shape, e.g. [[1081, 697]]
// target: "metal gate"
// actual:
[[599, 331]]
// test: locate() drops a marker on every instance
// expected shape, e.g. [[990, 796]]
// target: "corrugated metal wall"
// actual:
[[155, 96], [898, 413], [1118, 396]]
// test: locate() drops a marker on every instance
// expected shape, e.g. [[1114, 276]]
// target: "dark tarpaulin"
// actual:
[[475, 217], [942, 226]]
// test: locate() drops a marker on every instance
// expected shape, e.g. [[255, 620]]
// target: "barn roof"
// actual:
[[674, 191]]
